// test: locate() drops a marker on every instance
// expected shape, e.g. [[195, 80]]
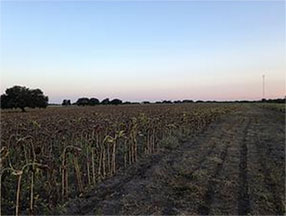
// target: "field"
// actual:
[[144, 159], [274, 106]]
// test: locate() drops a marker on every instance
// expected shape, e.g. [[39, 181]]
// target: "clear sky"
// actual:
[[144, 50]]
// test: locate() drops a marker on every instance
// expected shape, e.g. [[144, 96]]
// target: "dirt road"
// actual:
[[236, 166]]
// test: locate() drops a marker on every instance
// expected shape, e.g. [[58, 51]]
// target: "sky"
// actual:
[[144, 50]]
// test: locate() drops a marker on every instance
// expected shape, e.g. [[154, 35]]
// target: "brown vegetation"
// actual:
[[60, 153]]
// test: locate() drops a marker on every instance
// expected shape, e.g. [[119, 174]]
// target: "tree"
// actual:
[[105, 101], [116, 102], [93, 101], [82, 101], [146, 102], [38, 99], [187, 101], [177, 101], [21, 97], [127, 102], [167, 102], [66, 102], [5, 102]]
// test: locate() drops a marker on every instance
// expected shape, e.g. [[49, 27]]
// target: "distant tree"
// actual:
[[93, 101], [167, 102], [127, 102], [66, 102], [177, 101], [281, 100], [277, 100], [105, 101], [82, 102], [146, 102], [187, 101], [116, 102], [22, 97]]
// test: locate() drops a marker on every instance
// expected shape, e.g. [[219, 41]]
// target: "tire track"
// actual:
[[189, 175], [243, 195], [227, 162], [268, 180], [204, 155], [111, 187], [115, 187], [204, 209]]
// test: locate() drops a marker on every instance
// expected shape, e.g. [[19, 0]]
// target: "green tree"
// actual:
[[22, 97], [66, 102], [82, 101], [105, 101], [116, 102], [93, 101]]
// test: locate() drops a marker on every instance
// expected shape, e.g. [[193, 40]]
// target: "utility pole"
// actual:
[[263, 86]]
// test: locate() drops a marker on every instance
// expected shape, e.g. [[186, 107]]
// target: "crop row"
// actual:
[[48, 157]]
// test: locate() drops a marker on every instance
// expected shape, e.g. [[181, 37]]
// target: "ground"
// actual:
[[235, 166]]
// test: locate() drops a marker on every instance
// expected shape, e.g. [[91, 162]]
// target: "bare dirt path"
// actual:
[[236, 166]]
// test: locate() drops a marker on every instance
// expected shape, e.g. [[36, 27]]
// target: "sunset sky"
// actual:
[[144, 50]]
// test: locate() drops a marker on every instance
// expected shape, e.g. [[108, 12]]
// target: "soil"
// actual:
[[236, 166]]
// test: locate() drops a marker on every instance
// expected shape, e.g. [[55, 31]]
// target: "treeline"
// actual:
[[278, 100], [94, 101], [22, 97], [91, 102], [84, 101]]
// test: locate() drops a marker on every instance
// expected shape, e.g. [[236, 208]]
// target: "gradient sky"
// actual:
[[144, 50]]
